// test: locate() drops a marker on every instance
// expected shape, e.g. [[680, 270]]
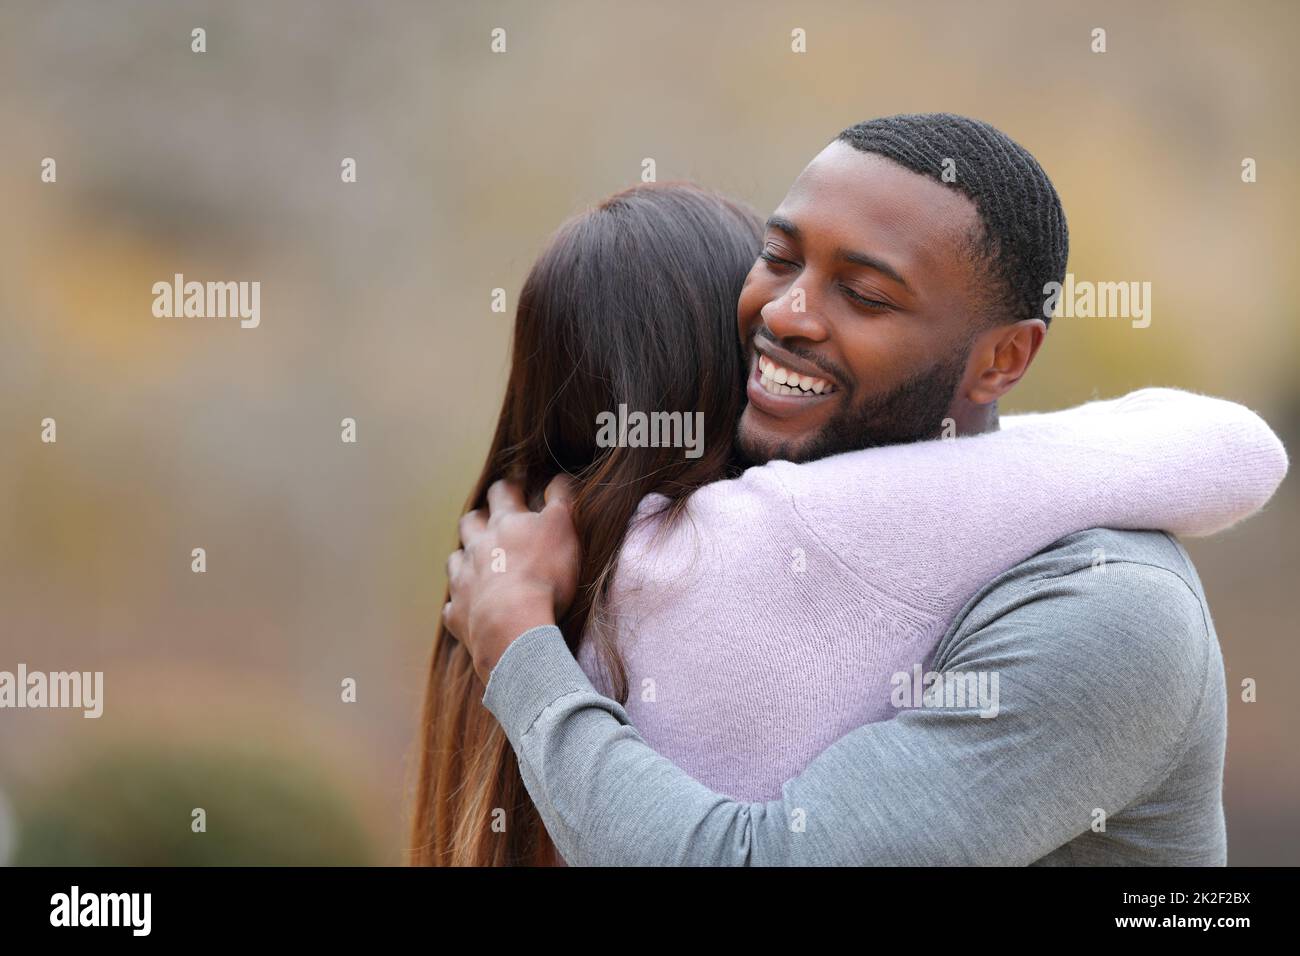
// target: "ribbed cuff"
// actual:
[[534, 672]]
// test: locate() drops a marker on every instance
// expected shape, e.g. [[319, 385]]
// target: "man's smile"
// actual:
[[780, 380], [782, 385]]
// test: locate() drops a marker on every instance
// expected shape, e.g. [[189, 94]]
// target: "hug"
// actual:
[[652, 658]]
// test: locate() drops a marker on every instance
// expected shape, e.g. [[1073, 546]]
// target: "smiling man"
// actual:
[[890, 305], [887, 302]]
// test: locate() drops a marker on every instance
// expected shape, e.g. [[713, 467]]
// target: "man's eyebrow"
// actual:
[[783, 224], [871, 262], [848, 255]]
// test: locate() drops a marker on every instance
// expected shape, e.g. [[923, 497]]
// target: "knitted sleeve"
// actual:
[[941, 517]]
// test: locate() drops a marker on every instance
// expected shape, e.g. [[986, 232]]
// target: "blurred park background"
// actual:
[[324, 559]]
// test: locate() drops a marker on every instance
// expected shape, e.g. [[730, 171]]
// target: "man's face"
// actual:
[[864, 291]]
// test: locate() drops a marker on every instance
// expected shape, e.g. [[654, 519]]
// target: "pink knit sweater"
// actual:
[[770, 619]]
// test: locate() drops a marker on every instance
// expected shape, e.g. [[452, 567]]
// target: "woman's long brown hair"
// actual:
[[632, 303]]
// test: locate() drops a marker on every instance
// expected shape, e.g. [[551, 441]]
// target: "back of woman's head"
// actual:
[[632, 303], [630, 309]]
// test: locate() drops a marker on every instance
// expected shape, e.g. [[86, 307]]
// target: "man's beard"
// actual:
[[914, 411]]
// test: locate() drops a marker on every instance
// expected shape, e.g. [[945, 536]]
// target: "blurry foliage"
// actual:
[[131, 807]]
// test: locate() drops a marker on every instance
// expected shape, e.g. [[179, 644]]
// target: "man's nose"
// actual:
[[794, 316]]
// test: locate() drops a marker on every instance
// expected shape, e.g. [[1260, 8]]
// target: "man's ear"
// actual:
[[999, 357]]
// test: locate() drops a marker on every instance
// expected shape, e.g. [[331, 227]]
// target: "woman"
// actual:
[[634, 303]]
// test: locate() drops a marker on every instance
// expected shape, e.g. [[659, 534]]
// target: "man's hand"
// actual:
[[516, 569]]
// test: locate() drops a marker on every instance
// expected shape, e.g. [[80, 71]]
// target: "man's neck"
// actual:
[[974, 419]]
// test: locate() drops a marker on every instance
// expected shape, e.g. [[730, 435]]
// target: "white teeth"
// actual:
[[782, 381]]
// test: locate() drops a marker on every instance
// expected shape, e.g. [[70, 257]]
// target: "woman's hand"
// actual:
[[517, 569]]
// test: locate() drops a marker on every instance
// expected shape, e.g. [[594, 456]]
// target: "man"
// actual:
[[904, 273]]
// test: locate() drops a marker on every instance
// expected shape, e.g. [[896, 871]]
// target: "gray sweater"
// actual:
[[1106, 747]]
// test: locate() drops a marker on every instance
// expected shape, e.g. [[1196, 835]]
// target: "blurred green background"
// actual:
[[325, 559]]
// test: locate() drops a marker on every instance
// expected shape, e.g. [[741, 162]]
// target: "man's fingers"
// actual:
[[446, 619], [505, 497], [559, 491], [471, 526], [453, 566]]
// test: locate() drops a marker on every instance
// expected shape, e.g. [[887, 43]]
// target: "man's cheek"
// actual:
[[746, 316], [754, 294]]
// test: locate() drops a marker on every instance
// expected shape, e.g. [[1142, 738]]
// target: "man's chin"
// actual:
[[757, 445]]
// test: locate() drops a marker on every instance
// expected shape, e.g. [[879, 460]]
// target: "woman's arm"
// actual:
[[590, 771], [929, 522]]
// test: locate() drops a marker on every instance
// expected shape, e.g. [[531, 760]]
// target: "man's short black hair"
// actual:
[[1024, 241]]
